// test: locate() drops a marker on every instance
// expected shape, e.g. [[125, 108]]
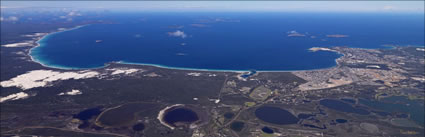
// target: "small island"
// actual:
[[314, 49]]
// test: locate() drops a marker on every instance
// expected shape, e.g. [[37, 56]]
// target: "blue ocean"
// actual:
[[262, 41]]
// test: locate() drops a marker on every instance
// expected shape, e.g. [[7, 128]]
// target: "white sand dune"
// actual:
[[72, 92], [16, 96], [126, 71], [20, 44], [314, 49], [35, 35], [195, 74], [42, 78]]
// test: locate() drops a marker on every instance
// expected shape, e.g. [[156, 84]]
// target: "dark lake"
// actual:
[[342, 106], [237, 126], [341, 121], [138, 127], [229, 115], [305, 116], [267, 130], [352, 101], [177, 115], [88, 113], [275, 115]]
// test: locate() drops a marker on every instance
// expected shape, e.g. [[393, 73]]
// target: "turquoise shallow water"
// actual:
[[225, 41]]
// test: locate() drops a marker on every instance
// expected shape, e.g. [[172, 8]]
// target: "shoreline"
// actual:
[[40, 38], [312, 49], [161, 115], [217, 70]]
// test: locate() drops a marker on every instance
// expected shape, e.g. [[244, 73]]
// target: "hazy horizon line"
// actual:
[[199, 6]]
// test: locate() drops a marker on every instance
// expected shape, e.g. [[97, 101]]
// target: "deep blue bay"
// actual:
[[225, 41]]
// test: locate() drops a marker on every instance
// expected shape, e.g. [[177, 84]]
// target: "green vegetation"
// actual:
[[250, 104], [266, 135], [260, 93], [122, 115]]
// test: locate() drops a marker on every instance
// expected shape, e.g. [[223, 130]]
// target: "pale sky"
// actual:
[[289, 6]]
